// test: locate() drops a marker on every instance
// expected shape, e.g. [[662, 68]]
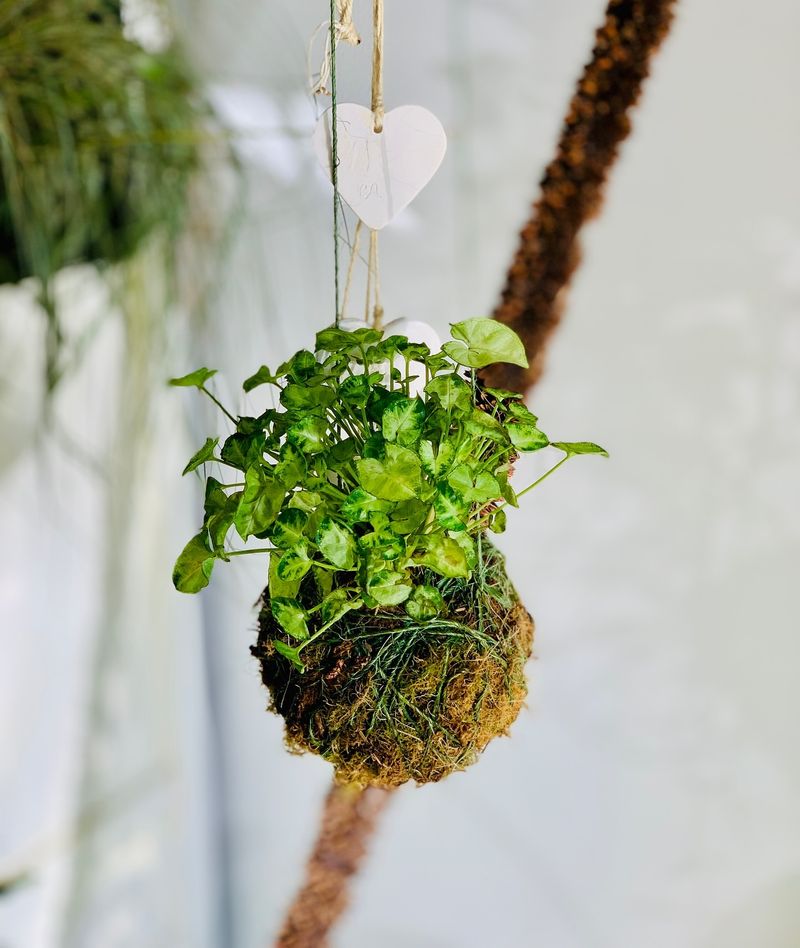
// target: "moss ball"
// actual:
[[386, 699]]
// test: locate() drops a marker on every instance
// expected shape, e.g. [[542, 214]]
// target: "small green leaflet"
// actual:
[[260, 503], [481, 342], [276, 585], [336, 604], [308, 434], [215, 507], [262, 377], [425, 603], [242, 451], [287, 531], [333, 340], [482, 425], [579, 447], [291, 653], [402, 421], [337, 544], [527, 437], [408, 516], [452, 392], [196, 379], [206, 453], [219, 521], [290, 616], [297, 397], [473, 487], [503, 394], [194, 565], [291, 467], [359, 504], [294, 564], [468, 547], [398, 477], [444, 556], [388, 546], [387, 588], [301, 367], [451, 508], [355, 390], [436, 462]]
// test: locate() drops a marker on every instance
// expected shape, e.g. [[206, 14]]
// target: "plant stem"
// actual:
[[219, 404], [479, 523], [546, 474]]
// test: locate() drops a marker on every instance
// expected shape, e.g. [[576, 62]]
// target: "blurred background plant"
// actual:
[[103, 136]]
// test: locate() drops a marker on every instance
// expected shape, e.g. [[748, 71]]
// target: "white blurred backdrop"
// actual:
[[648, 795]]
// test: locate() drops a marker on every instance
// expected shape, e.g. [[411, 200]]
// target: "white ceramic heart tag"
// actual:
[[379, 174]]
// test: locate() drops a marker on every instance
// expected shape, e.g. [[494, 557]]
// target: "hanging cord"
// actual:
[[571, 190], [377, 64], [353, 254], [345, 32], [373, 275], [374, 283], [334, 162]]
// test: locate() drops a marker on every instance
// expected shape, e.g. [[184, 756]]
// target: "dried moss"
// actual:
[[387, 700]]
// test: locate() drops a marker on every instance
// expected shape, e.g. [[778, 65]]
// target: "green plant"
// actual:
[[366, 486], [99, 140]]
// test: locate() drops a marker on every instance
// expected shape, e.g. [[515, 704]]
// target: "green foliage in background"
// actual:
[[362, 483], [98, 140]]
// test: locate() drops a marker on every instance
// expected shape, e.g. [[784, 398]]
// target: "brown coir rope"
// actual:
[[348, 821], [570, 194], [572, 187]]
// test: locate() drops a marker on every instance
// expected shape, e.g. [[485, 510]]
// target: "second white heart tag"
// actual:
[[379, 174]]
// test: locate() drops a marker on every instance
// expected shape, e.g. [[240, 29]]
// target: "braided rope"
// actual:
[[571, 190]]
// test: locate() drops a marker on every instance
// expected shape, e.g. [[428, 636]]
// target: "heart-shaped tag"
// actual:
[[379, 174]]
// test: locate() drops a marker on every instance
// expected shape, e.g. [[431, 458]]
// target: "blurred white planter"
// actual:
[[22, 331]]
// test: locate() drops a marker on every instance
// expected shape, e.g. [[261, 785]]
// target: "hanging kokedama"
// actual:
[[391, 639], [98, 140]]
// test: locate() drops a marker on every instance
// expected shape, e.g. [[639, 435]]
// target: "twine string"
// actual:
[[370, 272], [341, 27], [334, 161], [377, 64], [353, 254], [373, 274], [374, 282], [343, 31]]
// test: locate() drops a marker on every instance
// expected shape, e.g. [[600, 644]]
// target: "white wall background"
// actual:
[[649, 794]]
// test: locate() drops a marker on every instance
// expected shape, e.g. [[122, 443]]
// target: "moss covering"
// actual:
[[386, 699]]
